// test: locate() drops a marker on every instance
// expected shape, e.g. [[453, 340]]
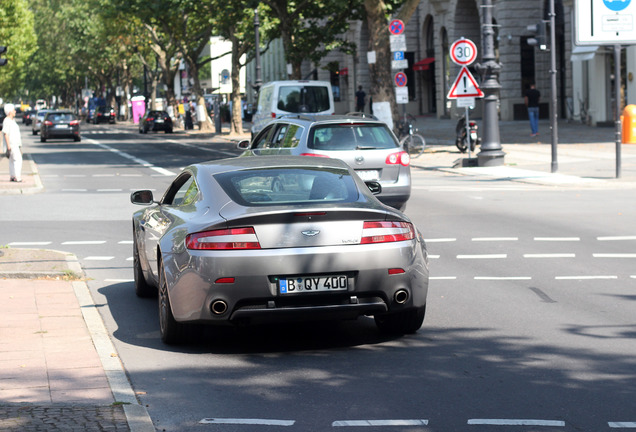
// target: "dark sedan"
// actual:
[[277, 238], [60, 124], [27, 117], [104, 114], [155, 121]]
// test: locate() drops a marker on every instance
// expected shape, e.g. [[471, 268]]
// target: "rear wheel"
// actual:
[[42, 138], [414, 145], [142, 287], [403, 322], [171, 331]]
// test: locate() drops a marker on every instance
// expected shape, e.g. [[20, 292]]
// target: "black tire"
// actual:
[[168, 130], [404, 322], [77, 139], [42, 138], [171, 331], [142, 287]]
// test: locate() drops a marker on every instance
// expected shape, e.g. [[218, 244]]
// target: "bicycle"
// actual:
[[410, 139]]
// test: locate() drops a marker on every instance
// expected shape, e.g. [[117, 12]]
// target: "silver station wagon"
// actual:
[[365, 144], [256, 239]]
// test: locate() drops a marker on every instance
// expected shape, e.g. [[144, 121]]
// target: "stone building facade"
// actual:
[[584, 74]]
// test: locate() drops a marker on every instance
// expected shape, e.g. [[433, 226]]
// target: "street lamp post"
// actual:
[[491, 153], [257, 55]]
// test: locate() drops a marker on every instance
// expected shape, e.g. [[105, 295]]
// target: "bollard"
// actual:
[[628, 125]]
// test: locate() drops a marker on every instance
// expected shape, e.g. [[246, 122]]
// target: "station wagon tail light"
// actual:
[[74, 122], [314, 155], [386, 231], [223, 239], [401, 158], [48, 123], [150, 119]]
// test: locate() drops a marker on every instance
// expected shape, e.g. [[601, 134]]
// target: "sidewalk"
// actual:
[[59, 370]]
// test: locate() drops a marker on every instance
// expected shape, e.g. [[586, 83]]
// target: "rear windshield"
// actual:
[[303, 99], [288, 186], [60, 117], [361, 136]]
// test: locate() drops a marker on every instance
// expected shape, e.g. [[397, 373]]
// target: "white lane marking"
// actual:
[[129, 259], [516, 422], [584, 277], [40, 243], [483, 256], [125, 242], [556, 255], [141, 162], [246, 421], [442, 277], [84, 242], [433, 256], [614, 255], [622, 424], [347, 423], [556, 239], [440, 240], [500, 278], [200, 148], [616, 238], [494, 239], [99, 258]]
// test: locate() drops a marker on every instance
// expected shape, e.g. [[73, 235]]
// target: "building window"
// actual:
[[527, 65]]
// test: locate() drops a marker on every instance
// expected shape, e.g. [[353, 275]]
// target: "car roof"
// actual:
[[309, 118], [239, 163]]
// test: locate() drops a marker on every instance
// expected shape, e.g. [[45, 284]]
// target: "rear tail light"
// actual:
[[273, 115], [401, 158], [150, 119], [385, 232], [74, 122], [224, 239], [48, 123], [314, 155]]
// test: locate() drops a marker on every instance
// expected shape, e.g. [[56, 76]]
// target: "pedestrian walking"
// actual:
[[531, 98], [11, 134], [360, 99]]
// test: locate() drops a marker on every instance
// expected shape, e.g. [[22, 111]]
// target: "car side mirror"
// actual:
[[142, 197], [243, 145], [374, 186]]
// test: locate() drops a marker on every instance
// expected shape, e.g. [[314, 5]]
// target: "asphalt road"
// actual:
[[530, 321]]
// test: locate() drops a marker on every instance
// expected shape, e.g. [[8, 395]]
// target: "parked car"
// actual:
[[37, 120], [155, 121], [104, 114], [27, 117], [60, 124], [365, 143], [226, 244], [279, 98]]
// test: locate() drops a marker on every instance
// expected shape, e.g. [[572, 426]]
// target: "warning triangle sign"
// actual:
[[465, 86]]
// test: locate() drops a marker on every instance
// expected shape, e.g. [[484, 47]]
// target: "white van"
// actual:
[[278, 98]]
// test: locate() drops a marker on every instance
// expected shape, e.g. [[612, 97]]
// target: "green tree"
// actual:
[[17, 33], [311, 28]]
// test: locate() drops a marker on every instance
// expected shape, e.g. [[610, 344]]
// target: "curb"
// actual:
[[136, 415]]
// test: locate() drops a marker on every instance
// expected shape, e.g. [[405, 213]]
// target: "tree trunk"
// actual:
[[382, 92], [236, 122]]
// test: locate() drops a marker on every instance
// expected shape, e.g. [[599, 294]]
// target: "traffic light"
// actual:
[[540, 38], [3, 61]]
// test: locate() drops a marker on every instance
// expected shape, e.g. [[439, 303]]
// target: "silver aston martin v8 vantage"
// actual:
[[277, 238]]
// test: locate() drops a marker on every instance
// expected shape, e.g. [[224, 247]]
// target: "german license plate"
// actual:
[[159, 121], [368, 175], [309, 284], [61, 126]]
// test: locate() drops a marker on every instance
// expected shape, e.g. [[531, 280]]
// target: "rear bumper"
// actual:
[[254, 294]]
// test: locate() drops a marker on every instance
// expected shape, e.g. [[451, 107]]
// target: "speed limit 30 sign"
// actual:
[[463, 52]]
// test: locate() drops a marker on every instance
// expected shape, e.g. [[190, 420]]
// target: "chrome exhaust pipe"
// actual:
[[401, 296], [218, 307]]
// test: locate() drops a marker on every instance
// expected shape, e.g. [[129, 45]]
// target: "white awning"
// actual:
[[582, 53]]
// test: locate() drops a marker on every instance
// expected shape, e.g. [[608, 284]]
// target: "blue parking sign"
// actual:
[[398, 55]]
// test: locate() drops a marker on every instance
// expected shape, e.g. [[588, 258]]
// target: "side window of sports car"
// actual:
[[184, 191]]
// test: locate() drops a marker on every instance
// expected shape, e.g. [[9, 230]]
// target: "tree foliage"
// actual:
[[17, 33]]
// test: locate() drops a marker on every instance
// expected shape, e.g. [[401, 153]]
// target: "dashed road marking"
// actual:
[[349, 423], [84, 242], [555, 255], [483, 256], [558, 239], [616, 238], [614, 255], [585, 277], [247, 421], [516, 422], [494, 239]]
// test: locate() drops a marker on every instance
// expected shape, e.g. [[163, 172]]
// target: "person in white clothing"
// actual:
[[11, 132]]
